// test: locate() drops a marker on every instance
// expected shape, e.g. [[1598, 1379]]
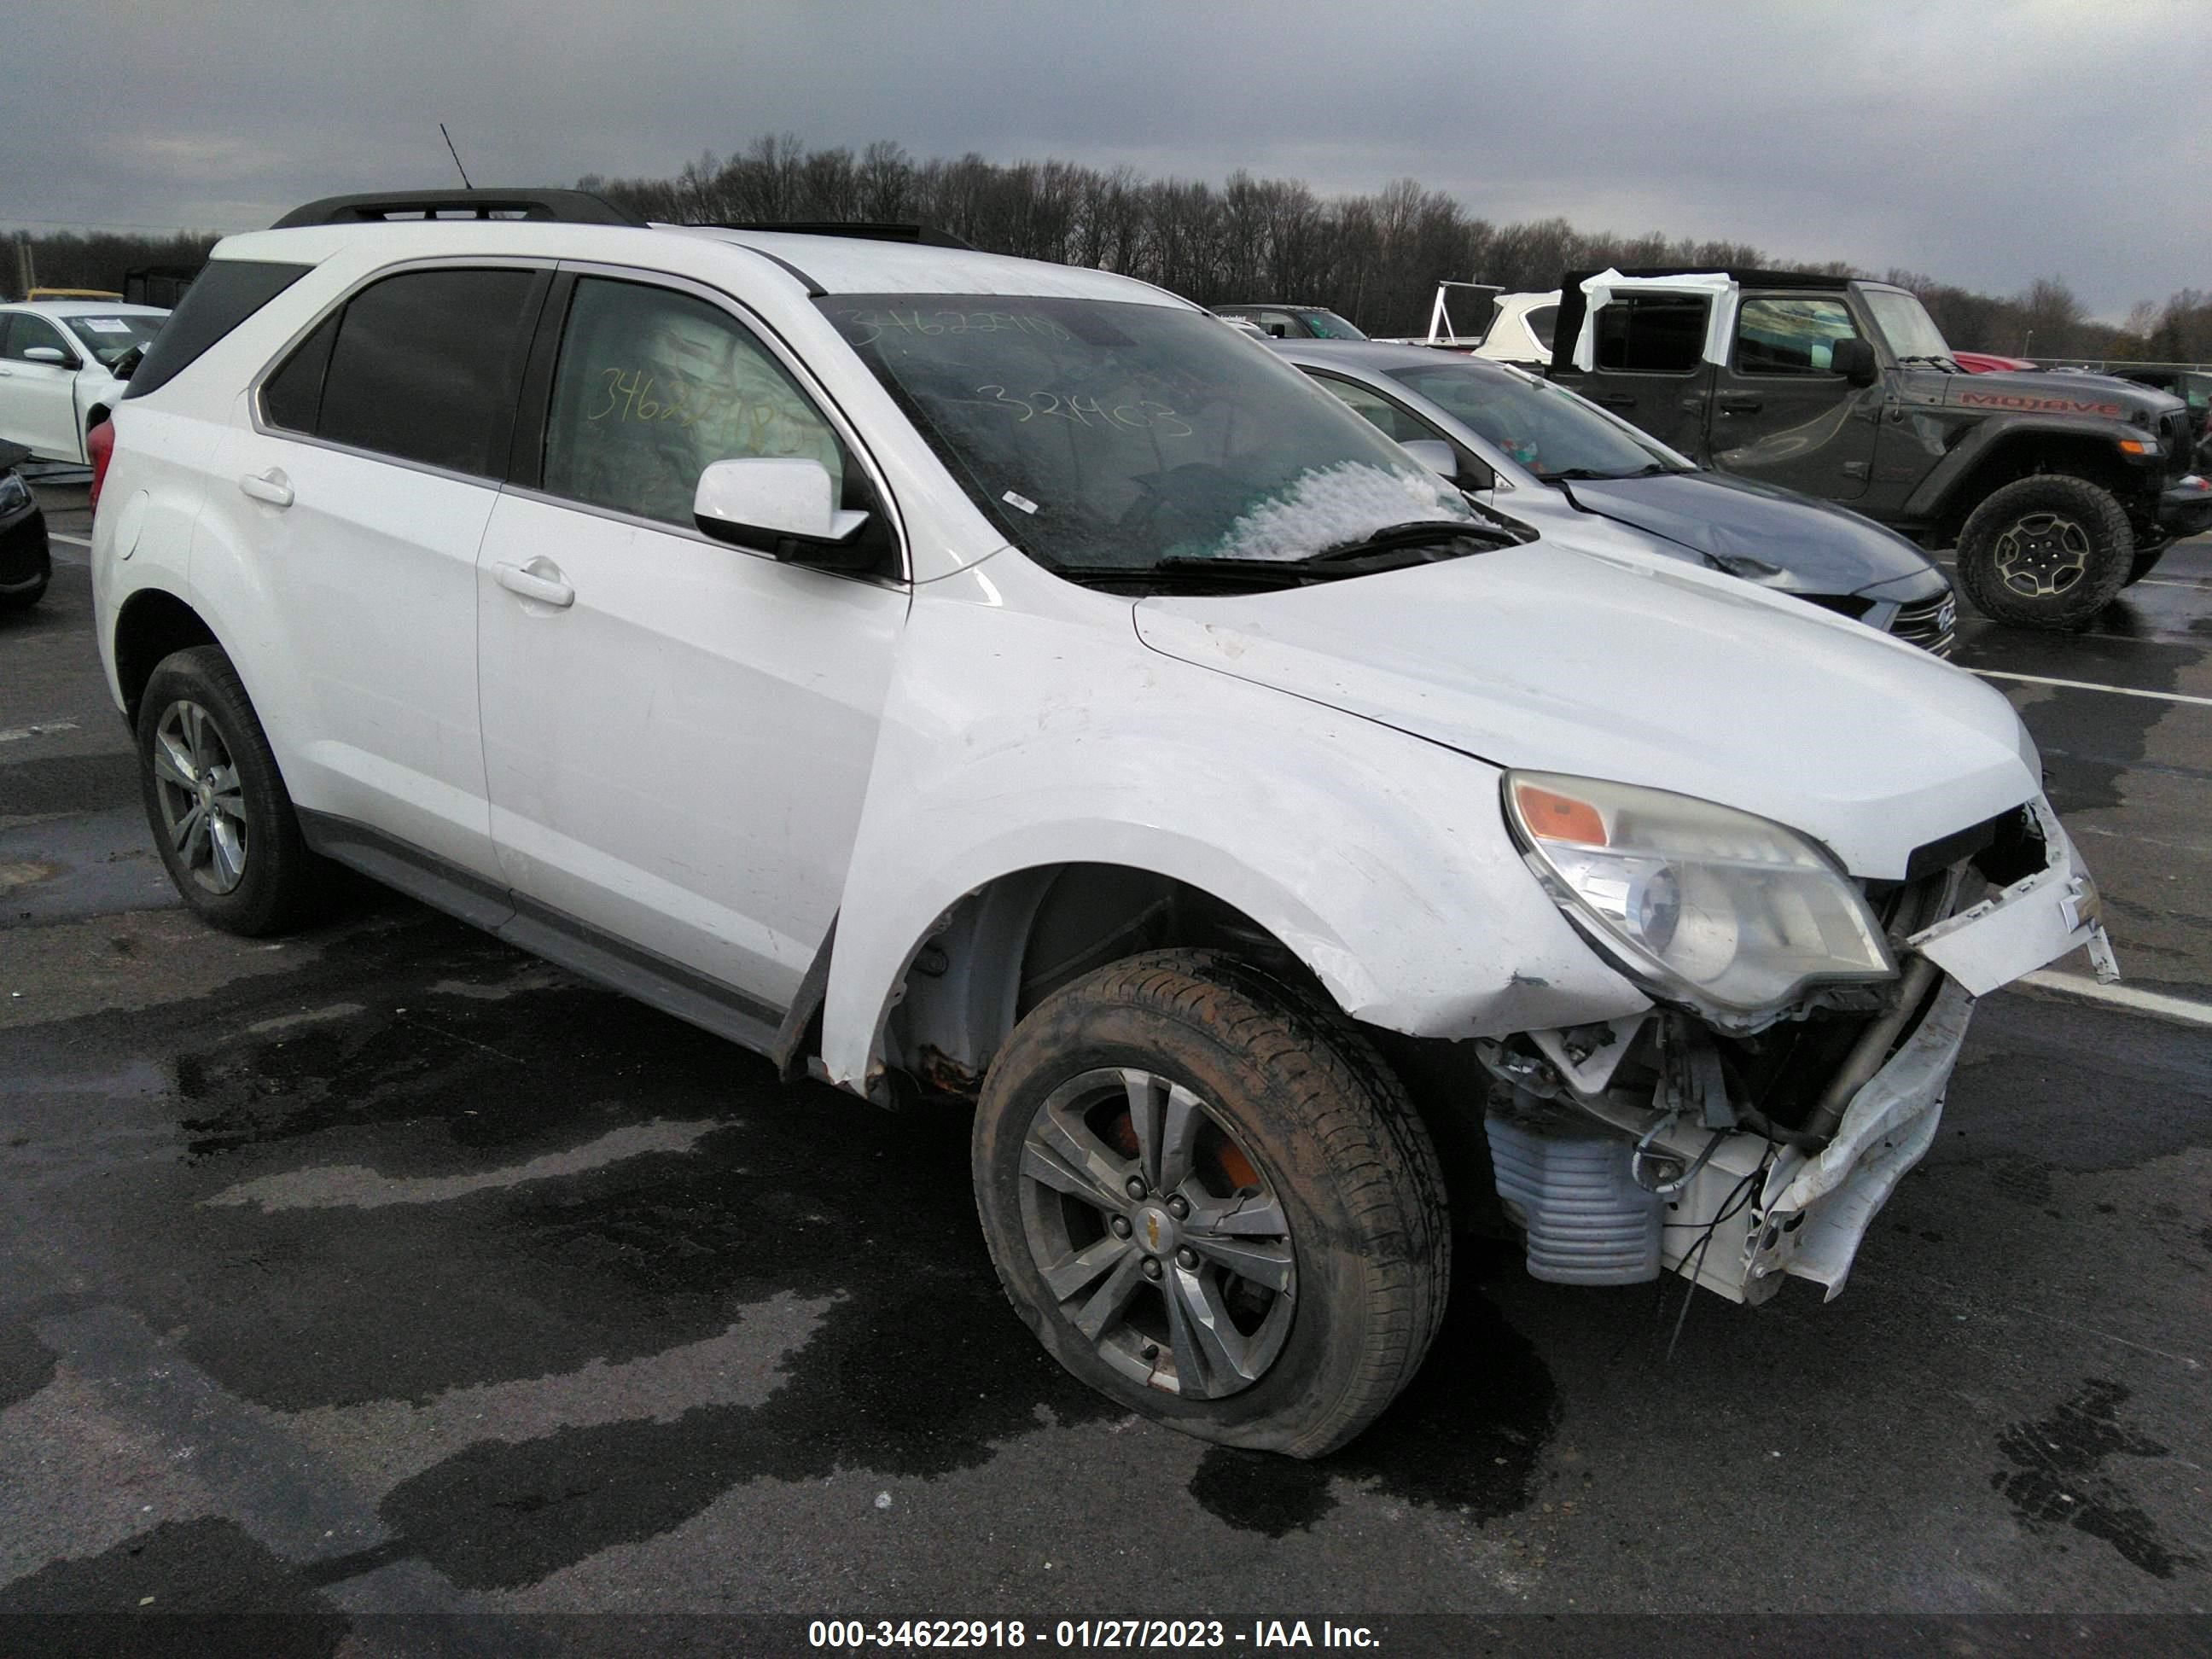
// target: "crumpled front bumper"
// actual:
[[1755, 1213]]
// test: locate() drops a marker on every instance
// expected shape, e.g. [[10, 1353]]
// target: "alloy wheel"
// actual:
[[203, 806], [2042, 554], [1160, 1238]]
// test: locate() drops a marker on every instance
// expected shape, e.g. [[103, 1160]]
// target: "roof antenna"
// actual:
[[456, 154]]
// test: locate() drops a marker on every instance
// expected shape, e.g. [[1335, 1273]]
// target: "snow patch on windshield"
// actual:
[[1328, 506]]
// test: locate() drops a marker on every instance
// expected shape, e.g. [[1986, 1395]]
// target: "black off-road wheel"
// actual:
[[222, 817], [2048, 551], [1211, 1199]]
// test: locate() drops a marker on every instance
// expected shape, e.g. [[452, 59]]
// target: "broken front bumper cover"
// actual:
[[1751, 1213]]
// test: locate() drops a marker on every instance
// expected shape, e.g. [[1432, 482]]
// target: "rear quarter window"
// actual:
[[427, 366], [1652, 333], [227, 292]]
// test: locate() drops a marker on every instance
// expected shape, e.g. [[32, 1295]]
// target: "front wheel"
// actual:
[[2048, 551], [1211, 1201]]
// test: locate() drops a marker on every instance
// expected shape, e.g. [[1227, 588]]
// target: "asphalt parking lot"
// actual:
[[383, 1270]]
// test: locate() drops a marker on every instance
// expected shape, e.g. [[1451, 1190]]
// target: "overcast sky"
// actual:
[[1984, 141]]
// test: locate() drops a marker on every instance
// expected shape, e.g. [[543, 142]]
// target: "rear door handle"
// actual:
[[539, 580], [272, 486], [1739, 404], [1618, 399]]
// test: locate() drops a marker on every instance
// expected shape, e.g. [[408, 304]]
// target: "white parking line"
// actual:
[[2089, 685], [74, 541], [2122, 996]]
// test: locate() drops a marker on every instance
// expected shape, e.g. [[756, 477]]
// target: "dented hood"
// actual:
[[1628, 668], [1809, 546]]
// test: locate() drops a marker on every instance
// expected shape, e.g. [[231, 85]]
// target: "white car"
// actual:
[[56, 357], [951, 674]]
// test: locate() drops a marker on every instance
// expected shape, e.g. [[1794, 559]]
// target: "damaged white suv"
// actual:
[[957, 676]]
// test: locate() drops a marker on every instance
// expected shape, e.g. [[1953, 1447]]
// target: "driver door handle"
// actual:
[[272, 486], [1737, 404], [1618, 399], [540, 579]]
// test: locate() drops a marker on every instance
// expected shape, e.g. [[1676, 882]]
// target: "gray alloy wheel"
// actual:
[[2049, 550], [2042, 554], [203, 806], [215, 802], [1160, 1236]]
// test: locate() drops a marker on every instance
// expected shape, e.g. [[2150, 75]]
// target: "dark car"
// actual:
[[2193, 386], [2057, 494], [1540, 453], [25, 560], [1286, 322]]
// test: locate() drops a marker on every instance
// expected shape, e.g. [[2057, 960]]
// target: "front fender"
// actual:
[[1938, 490], [1027, 728]]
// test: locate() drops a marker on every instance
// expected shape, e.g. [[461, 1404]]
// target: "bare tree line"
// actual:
[[1375, 258]]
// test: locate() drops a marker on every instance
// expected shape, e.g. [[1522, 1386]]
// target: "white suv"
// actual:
[[956, 674]]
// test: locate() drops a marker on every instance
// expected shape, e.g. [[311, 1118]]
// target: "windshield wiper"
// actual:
[[1414, 536], [1423, 542], [1591, 475]]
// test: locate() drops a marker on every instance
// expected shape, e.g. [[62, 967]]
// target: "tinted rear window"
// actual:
[[427, 366], [227, 292], [1652, 333]]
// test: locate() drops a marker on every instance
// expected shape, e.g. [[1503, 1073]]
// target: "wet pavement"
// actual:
[[383, 1270]]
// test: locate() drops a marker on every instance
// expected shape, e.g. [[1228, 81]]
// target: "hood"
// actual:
[[1634, 669], [2083, 395], [1813, 547]]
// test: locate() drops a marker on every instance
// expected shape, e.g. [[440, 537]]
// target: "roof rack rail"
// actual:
[[924, 235], [574, 207]]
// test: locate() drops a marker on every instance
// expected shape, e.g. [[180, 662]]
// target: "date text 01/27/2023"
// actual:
[[1123, 1634]]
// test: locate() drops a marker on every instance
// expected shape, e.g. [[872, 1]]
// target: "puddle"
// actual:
[[2058, 1477]]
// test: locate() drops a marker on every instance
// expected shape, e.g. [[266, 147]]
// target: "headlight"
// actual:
[[14, 492], [1701, 903]]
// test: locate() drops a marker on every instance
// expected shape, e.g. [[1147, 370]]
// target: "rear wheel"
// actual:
[[222, 819], [2048, 551], [1211, 1201]]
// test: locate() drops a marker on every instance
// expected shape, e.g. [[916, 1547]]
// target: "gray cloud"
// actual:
[[1987, 143]]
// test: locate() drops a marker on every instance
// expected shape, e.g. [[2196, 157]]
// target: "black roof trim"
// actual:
[[574, 207], [864, 230]]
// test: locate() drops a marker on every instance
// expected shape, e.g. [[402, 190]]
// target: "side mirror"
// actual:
[[53, 355], [787, 505], [1435, 454], [1853, 360]]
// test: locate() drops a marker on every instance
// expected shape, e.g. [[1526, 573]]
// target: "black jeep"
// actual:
[[2057, 491]]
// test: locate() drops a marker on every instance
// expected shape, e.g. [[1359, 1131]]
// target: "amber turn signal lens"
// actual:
[[2138, 446], [1551, 816]]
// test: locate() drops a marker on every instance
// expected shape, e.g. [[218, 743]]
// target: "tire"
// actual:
[[195, 721], [24, 599], [2048, 551], [1297, 1136]]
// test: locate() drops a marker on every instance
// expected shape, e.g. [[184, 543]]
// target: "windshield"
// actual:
[[1103, 435], [108, 337], [1905, 324], [1543, 425]]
